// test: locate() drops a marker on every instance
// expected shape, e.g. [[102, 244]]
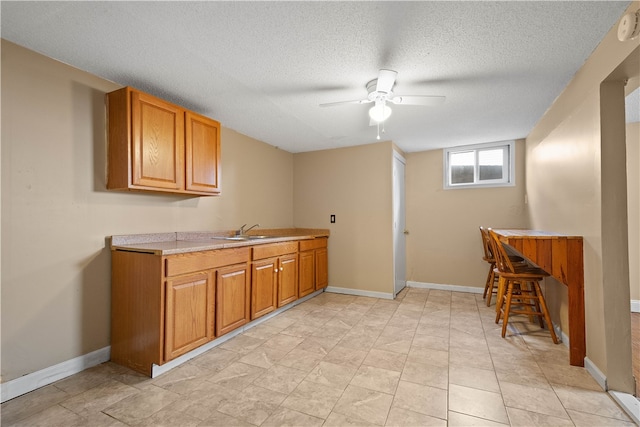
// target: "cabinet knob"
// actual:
[[281, 268], [276, 270]]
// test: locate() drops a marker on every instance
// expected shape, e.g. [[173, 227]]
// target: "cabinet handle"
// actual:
[[281, 268], [276, 270]]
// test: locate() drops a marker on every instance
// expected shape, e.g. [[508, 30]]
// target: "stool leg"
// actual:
[[507, 308], [536, 302], [488, 289], [545, 312], [500, 297]]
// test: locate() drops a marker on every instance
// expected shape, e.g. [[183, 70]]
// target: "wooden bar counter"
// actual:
[[561, 257]]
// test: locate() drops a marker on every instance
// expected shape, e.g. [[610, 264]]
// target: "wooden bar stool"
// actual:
[[519, 286], [492, 277]]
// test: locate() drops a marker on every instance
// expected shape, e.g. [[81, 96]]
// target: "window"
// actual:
[[483, 165]]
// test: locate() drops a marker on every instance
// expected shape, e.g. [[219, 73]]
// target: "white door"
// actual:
[[399, 237]]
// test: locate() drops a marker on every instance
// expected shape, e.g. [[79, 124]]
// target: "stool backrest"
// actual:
[[502, 258], [486, 245]]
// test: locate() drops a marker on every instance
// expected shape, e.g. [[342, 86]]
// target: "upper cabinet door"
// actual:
[[157, 143], [202, 145]]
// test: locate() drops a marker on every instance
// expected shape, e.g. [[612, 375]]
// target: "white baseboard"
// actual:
[[46, 376], [443, 287], [629, 403], [596, 373], [635, 306], [27, 383], [358, 292]]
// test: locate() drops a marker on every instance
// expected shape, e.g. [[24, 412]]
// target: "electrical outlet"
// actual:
[[333, 219]]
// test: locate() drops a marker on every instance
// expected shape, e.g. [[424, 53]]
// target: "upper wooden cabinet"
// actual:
[[158, 146]]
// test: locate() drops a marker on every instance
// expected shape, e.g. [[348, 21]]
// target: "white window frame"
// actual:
[[508, 180]]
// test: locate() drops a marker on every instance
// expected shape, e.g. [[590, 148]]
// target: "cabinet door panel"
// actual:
[[158, 142], [322, 268], [202, 154], [288, 279], [189, 313], [263, 287], [307, 283], [232, 308]]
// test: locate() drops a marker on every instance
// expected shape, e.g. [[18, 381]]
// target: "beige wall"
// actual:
[[633, 206], [56, 212], [354, 184], [572, 174], [444, 244]]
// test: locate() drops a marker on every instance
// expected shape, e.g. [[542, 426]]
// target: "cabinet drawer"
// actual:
[[198, 261], [307, 245], [274, 249]]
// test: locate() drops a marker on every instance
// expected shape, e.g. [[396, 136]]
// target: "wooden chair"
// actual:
[[519, 286], [492, 277]]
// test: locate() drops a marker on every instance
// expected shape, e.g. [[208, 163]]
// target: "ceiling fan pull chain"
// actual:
[[378, 137]]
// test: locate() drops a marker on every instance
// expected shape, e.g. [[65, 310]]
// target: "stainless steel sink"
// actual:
[[242, 238]]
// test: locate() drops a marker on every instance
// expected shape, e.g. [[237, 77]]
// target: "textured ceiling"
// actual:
[[262, 68]]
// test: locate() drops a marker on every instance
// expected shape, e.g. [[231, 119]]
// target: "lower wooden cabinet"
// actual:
[[287, 279], [189, 313], [233, 298], [264, 287], [314, 265]]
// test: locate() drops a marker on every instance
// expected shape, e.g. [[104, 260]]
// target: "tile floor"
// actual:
[[429, 358]]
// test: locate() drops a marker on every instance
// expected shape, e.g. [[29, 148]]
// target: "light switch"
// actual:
[[333, 219]]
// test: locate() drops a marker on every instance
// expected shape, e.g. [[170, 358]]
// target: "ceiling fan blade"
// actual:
[[386, 79], [418, 100], [358, 101]]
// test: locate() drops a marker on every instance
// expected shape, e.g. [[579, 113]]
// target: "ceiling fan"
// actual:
[[380, 92]]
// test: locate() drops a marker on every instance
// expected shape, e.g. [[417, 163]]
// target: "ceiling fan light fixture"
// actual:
[[380, 112]]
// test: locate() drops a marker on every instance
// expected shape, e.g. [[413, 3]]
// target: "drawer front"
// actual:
[[198, 261], [274, 249], [307, 245]]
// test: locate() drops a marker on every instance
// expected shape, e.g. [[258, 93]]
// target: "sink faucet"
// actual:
[[242, 231]]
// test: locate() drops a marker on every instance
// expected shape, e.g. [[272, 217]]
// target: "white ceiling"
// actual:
[[262, 68]]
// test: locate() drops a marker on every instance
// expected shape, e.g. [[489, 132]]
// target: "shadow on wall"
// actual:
[[95, 331]]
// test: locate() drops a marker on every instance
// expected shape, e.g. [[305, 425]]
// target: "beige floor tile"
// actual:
[[242, 344], [262, 331], [320, 345], [522, 418], [168, 418], [142, 405], [283, 342], [360, 339], [347, 356], [441, 331], [483, 379], [582, 419], [426, 374], [216, 359], [263, 357], [479, 358], [568, 375], [284, 417], [457, 419], [589, 401], [367, 405], [98, 398], [182, 379], [55, 415], [332, 375], [237, 375], [477, 403], [423, 399], [301, 330], [376, 379], [281, 379], [398, 344], [428, 355], [339, 420], [399, 417], [532, 399], [248, 410], [203, 401], [31, 403], [385, 359], [313, 399], [84, 380], [464, 339], [301, 359], [431, 341], [262, 394], [219, 419], [279, 322]]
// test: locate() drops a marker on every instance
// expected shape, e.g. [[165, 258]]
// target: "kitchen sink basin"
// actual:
[[242, 238]]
